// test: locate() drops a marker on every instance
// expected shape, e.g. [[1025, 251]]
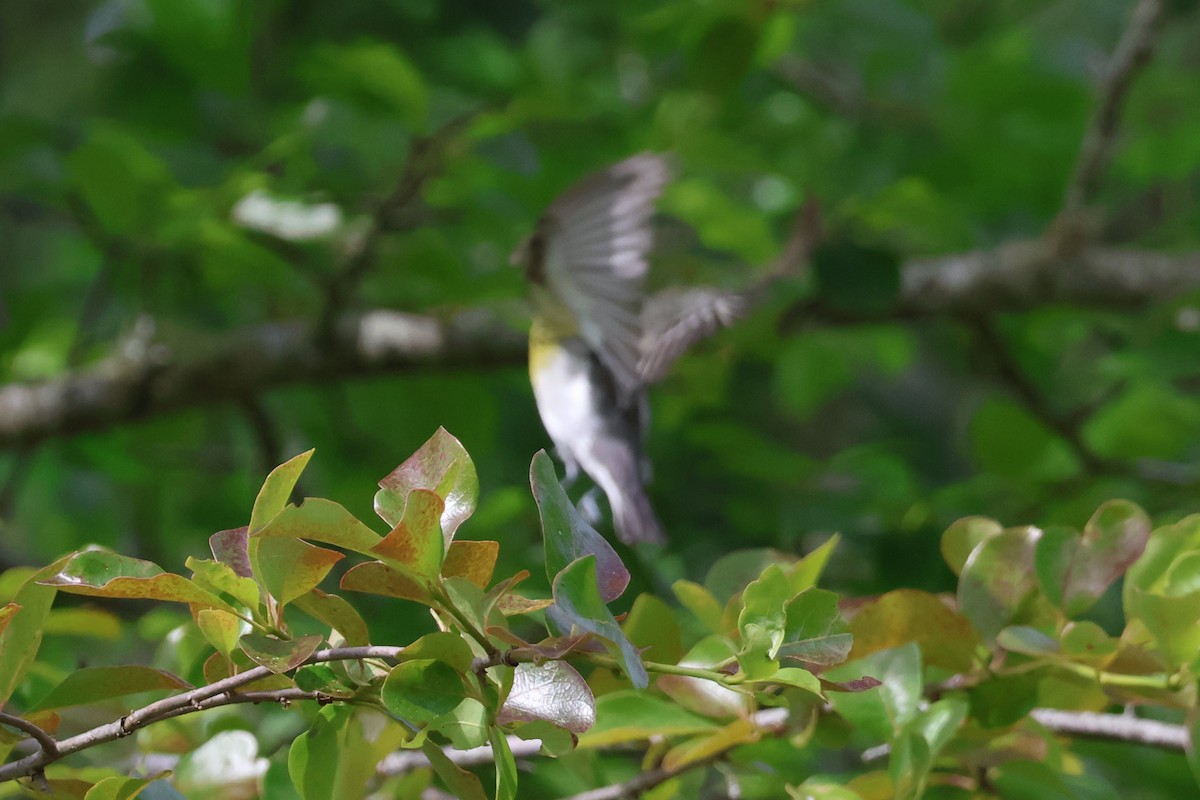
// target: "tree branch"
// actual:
[[1113, 728], [1133, 52], [152, 379]]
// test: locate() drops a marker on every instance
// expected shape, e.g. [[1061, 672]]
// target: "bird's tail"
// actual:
[[634, 517]]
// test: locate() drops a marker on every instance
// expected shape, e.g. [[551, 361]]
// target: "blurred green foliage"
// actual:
[[131, 130]]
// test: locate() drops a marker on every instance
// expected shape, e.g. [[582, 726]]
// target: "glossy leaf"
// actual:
[[103, 574], [118, 788], [553, 692], [578, 606], [567, 536], [884, 710], [95, 684], [321, 521], [220, 628], [805, 573], [218, 577], [763, 619], [963, 536], [653, 629], [441, 466], [444, 646], [506, 766], [278, 655], [703, 696], [276, 490]]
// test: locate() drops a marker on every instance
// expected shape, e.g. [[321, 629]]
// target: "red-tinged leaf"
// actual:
[[375, 577], [276, 490], [567, 535], [217, 667], [289, 568], [99, 573], [94, 684], [473, 561], [6, 614], [462, 784], [578, 607], [857, 685], [441, 466], [322, 520], [278, 655], [416, 542], [946, 638], [1075, 571], [20, 640], [422, 690], [997, 579], [553, 692], [335, 612], [231, 548], [512, 604]]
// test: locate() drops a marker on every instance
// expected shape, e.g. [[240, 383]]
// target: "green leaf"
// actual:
[[276, 490], [805, 573], [1149, 420], [376, 76], [816, 632], [416, 543], [762, 621], [963, 536], [94, 684], [220, 628], [103, 574], [441, 466], [698, 600], [652, 627], [118, 788], [335, 612], [123, 184], [461, 783], [1075, 571], [1008, 440], [218, 578], [578, 606], [466, 725], [567, 536], [733, 572], [998, 579], [444, 646], [553, 692], [908, 765], [885, 709], [506, 766], [278, 655], [628, 716], [422, 690], [92, 623], [338, 755], [21, 639], [946, 637]]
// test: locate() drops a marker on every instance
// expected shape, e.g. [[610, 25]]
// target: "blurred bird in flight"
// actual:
[[597, 341]]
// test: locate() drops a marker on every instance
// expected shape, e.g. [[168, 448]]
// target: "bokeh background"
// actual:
[[184, 180]]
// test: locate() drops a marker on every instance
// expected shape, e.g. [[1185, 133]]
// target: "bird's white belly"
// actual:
[[566, 400]]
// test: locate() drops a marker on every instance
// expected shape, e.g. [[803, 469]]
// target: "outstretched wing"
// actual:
[[594, 241], [675, 319]]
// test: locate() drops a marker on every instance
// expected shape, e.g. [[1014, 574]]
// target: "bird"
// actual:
[[585, 265]]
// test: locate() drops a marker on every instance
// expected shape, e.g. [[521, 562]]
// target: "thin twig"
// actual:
[[1133, 51], [45, 741], [1114, 727]]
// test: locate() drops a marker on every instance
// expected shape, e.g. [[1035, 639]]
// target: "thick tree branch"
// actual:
[[148, 379]]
